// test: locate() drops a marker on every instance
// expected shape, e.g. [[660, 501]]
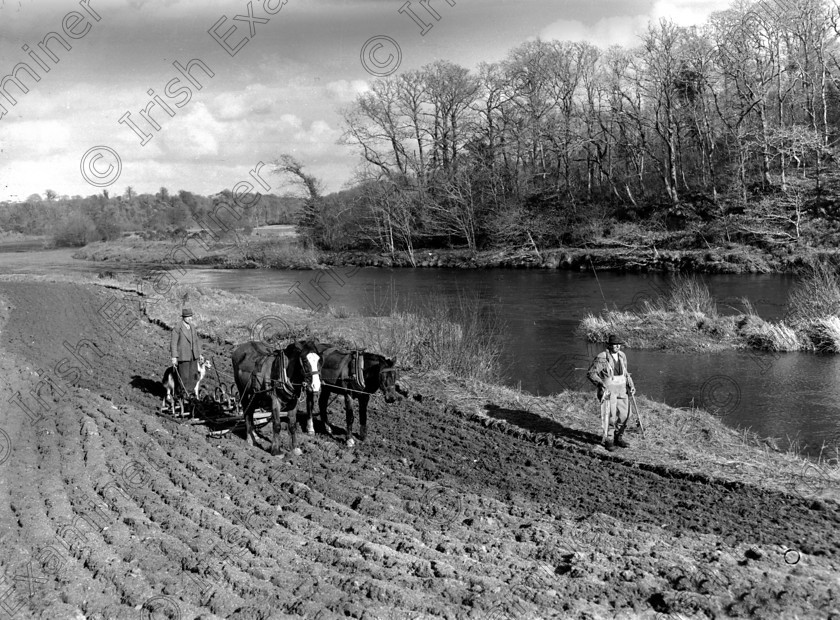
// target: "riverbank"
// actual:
[[256, 253], [468, 500]]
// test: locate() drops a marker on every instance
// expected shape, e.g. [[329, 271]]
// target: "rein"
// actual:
[[381, 372], [347, 389]]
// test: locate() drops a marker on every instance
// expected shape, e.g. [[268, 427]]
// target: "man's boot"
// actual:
[[619, 440], [608, 444]]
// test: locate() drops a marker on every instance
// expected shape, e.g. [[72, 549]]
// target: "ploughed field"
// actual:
[[111, 510]]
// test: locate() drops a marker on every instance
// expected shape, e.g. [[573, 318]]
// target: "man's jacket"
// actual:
[[602, 369], [186, 345]]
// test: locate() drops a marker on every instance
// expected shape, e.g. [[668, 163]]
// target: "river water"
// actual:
[[786, 396]]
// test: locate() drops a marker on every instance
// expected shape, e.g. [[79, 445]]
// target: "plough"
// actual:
[[220, 408]]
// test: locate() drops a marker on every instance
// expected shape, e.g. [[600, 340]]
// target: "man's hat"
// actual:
[[613, 339], [186, 312]]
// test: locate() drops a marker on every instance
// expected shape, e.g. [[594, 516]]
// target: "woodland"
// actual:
[[721, 135]]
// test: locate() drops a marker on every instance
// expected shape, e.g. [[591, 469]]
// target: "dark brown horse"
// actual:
[[354, 374], [275, 379]]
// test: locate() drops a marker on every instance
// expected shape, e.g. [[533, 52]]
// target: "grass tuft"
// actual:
[[686, 295], [815, 296], [461, 336], [824, 334], [762, 335]]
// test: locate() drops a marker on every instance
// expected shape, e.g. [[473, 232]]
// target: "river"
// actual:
[[787, 396]]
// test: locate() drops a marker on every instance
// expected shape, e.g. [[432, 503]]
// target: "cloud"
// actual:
[[687, 12], [37, 138], [625, 30], [319, 133], [609, 31], [346, 91], [192, 135], [253, 101]]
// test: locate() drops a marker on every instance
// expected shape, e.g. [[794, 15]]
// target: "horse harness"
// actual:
[[354, 362], [273, 377]]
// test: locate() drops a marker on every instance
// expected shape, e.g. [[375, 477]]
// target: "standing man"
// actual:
[[609, 374], [186, 351]]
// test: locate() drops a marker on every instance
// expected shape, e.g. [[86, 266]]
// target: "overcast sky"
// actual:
[[280, 91]]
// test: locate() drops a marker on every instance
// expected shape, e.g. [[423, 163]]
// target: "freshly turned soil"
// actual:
[[433, 516]]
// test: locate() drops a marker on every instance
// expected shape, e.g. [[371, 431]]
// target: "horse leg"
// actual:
[[348, 411], [276, 426], [363, 405], [249, 425], [323, 401], [293, 429], [310, 424]]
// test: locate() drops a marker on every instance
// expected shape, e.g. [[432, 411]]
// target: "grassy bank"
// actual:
[[240, 252], [686, 318], [246, 252]]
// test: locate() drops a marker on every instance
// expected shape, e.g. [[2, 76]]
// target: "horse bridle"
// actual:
[[382, 371], [308, 374]]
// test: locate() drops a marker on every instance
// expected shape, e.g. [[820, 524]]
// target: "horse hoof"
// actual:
[[310, 428], [297, 452], [351, 442], [328, 429]]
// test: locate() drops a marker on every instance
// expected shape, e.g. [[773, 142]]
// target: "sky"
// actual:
[[282, 70]]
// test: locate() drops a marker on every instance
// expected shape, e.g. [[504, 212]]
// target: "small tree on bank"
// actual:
[[309, 226]]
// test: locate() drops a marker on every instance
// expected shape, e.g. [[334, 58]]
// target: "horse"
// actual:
[[355, 374], [275, 379]]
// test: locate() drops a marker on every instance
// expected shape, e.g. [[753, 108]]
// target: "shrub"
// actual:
[[77, 231], [461, 336], [279, 254]]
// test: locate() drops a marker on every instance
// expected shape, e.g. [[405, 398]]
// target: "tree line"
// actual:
[[732, 124], [77, 220]]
